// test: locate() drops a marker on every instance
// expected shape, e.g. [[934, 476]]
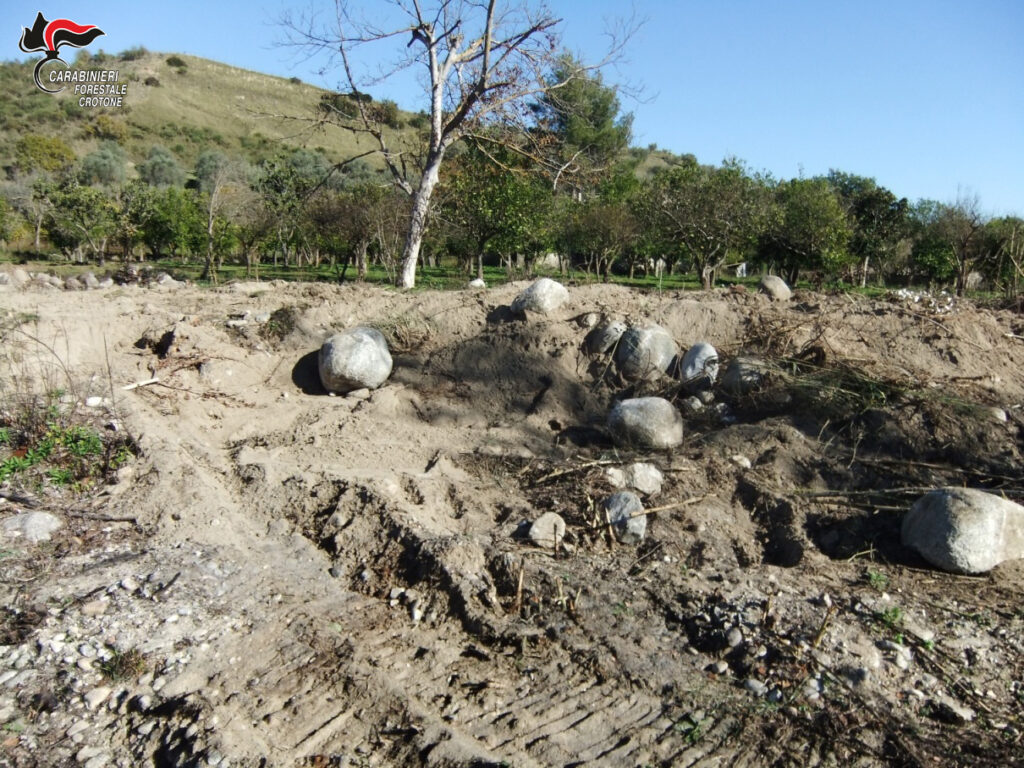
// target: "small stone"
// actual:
[[8, 675], [84, 664], [93, 402], [86, 650], [756, 687], [734, 637], [616, 477], [96, 696], [952, 711], [146, 728], [95, 607], [645, 478], [336, 572], [625, 509], [692, 405], [359, 394], [97, 762], [548, 530], [87, 753], [477, 283], [129, 584], [999, 415], [741, 461], [720, 667], [159, 683], [77, 728]]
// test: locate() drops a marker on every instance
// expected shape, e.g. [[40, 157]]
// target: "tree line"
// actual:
[[494, 207]]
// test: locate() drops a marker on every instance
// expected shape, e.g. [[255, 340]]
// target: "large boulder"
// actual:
[[963, 530], [646, 422], [625, 512], [645, 353], [602, 339], [775, 287], [699, 368], [544, 295], [354, 359]]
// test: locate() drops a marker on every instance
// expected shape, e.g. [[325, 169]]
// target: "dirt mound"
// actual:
[[306, 579]]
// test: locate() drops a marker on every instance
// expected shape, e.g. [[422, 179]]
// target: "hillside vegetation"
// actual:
[[201, 105]]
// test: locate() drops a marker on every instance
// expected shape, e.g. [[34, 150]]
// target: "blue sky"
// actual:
[[926, 96]]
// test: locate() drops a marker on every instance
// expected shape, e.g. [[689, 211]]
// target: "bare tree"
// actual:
[[484, 61]]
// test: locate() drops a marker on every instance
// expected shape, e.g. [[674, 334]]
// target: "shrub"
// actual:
[[151, 81], [133, 54], [295, 80], [176, 61]]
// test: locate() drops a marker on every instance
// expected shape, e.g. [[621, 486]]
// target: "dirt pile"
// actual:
[[293, 578]]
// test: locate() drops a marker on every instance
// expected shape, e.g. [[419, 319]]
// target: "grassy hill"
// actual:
[[184, 108]]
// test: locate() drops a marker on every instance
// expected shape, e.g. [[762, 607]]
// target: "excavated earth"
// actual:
[[301, 579]]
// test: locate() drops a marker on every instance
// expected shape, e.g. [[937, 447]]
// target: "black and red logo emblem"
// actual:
[[51, 36]]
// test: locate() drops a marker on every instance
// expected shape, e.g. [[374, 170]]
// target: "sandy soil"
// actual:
[[319, 580]]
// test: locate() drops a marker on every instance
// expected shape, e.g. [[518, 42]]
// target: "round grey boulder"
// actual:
[[699, 368], [744, 375], [543, 296], [645, 353], [963, 530], [354, 359], [775, 287], [548, 530], [625, 512], [646, 422], [602, 339], [477, 282]]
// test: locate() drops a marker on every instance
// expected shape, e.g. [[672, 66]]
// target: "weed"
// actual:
[[14, 726], [878, 580], [124, 665], [891, 617], [622, 609]]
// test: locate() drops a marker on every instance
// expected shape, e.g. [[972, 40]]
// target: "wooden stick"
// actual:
[[138, 384]]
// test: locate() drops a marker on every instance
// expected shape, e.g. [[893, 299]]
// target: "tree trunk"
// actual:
[[361, 260], [864, 272], [480, 265], [418, 219]]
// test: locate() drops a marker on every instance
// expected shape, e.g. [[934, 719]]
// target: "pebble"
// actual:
[[146, 728], [96, 696], [5, 676], [756, 687], [84, 664], [734, 637], [548, 530], [720, 667], [95, 607], [77, 728], [93, 402], [88, 753], [129, 584], [86, 650], [159, 683], [98, 762]]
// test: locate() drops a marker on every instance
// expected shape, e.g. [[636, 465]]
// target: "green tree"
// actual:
[[42, 154], [81, 220], [878, 220], [105, 165], [161, 168], [708, 214], [490, 208], [176, 224], [808, 229], [580, 131]]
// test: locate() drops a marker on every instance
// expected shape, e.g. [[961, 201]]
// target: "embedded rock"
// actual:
[[602, 339], [699, 368], [477, 283], [963, 530], [354, 359], [31, 526], [543, 296], [744, 375], [775, 287], [646, 422], [625, 512], [645, 353]]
